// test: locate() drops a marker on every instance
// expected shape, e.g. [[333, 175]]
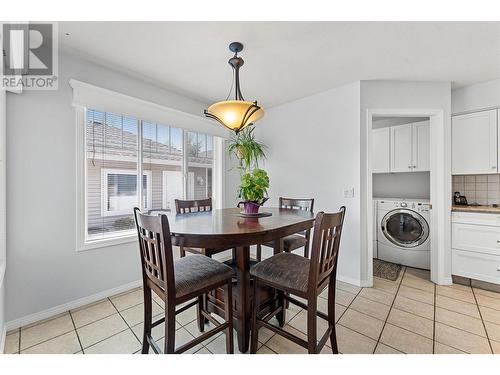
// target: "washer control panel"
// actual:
[[415, 206]]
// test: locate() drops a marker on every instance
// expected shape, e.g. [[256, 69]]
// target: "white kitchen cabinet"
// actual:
[[421, 146], [380, 150], [476, 246], [401, 148], [474, 139]]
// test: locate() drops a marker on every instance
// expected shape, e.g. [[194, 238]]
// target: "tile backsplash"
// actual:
[[481, 189]]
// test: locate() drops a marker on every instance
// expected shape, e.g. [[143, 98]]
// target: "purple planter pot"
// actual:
[[251, 207]]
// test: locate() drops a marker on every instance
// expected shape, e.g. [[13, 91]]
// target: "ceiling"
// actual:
[[288, 60]]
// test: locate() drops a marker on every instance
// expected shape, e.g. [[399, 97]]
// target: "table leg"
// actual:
[[243, 300]]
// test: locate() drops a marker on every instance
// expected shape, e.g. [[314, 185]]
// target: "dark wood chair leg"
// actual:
[[199, 308], [331, 316], [255, 310], [228, 314], [169, 346], [258, 254], [148, 319], [281, 316], [182, 252], [311, 326]]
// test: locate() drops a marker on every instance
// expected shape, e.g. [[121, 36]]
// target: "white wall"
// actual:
[[401, 185], [475, 97], [404, 95], [313, 151], [2, 217], [44, 269]]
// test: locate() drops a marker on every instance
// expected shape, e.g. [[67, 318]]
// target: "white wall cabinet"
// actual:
[[381, 147], [474, 138], [402, 148]]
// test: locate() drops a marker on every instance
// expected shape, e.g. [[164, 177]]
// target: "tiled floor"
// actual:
[[410, 315]]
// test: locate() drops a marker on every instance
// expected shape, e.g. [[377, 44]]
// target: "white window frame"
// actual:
[[83, 242], [104, 189]]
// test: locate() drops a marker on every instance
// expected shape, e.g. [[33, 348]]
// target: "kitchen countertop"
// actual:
[[483, 209]]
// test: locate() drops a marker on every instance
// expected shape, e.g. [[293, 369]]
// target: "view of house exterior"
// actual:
[[112, 167]]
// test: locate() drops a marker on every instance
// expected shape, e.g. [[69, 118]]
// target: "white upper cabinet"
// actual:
[[474, 143], [401, 148], [421, 146], [380, 150]]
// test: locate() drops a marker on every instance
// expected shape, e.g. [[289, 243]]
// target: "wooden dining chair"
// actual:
[[294, 241], [177, 282], [190, 206], [306, 278]]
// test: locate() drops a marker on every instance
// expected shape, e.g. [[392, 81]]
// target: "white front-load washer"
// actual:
[[404, 232]]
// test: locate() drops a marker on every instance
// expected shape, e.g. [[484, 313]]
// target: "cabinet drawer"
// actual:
[[476, 238], [476, 266], [476, 218]]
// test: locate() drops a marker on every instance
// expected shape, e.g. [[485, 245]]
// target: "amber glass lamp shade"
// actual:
[[235, 114]]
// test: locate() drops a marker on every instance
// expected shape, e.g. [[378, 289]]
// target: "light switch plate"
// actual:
[[349, 192]]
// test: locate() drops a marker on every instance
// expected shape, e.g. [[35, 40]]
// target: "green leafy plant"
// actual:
[[254, 185], [246, 149]]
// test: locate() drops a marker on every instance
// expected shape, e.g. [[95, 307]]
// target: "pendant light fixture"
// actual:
[[238, 113]]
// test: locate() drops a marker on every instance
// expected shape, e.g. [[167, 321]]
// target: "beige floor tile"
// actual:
[[203, 351], [415, 307], [487, 301], [344, 298], [100, 330], [12, 342], [91, 313], [281, 345], [418, 283], [300, 323], [493, 330], [457, 306], [455, 293], [122, 343], [487, 293], [323, 307], [387, 286], [461, 340], [496, 346], [463, 288], [218, 346], [405, 341], [135, 315], [417, 272], [351, 342], [490, 315], [125, 300], [377, 296], [354, 289], [445, 349], [362, 323], [384, 349], [372, 308], [411, 322], [265, 350], [187, 316], [460, 321], [416, 294], [158, 331], [64, 344], [49, 329], [182, 336]]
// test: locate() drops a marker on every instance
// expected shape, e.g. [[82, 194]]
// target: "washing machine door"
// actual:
[[405, 228]]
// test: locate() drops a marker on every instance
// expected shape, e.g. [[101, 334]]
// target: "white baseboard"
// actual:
[[350, 280], [2, 339], [32, 318]]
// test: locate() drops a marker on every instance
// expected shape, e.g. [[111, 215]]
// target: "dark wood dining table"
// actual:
[[224, 228]]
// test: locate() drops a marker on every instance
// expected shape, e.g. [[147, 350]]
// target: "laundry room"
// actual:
[[401, 195]]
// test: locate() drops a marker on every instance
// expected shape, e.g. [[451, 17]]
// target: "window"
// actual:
[[118, 149]]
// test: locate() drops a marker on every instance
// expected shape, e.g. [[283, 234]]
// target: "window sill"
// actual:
[[106, 242]]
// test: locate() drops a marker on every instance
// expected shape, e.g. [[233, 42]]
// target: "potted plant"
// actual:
[[254, 181]]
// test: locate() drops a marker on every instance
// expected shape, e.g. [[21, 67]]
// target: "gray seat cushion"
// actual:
[[285, 271], [195, 272], [292, 242]]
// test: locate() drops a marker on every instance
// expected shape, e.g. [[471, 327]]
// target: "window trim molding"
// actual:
[[104, 189]]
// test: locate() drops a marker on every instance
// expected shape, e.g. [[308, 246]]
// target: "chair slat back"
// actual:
[[297, 204], [197, 205], [325, 247], [155, 247]]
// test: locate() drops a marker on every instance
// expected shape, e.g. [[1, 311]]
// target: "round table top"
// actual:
[[227, 222]]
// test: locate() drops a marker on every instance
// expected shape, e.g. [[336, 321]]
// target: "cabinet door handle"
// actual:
[[494, 167], [409, 166]]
